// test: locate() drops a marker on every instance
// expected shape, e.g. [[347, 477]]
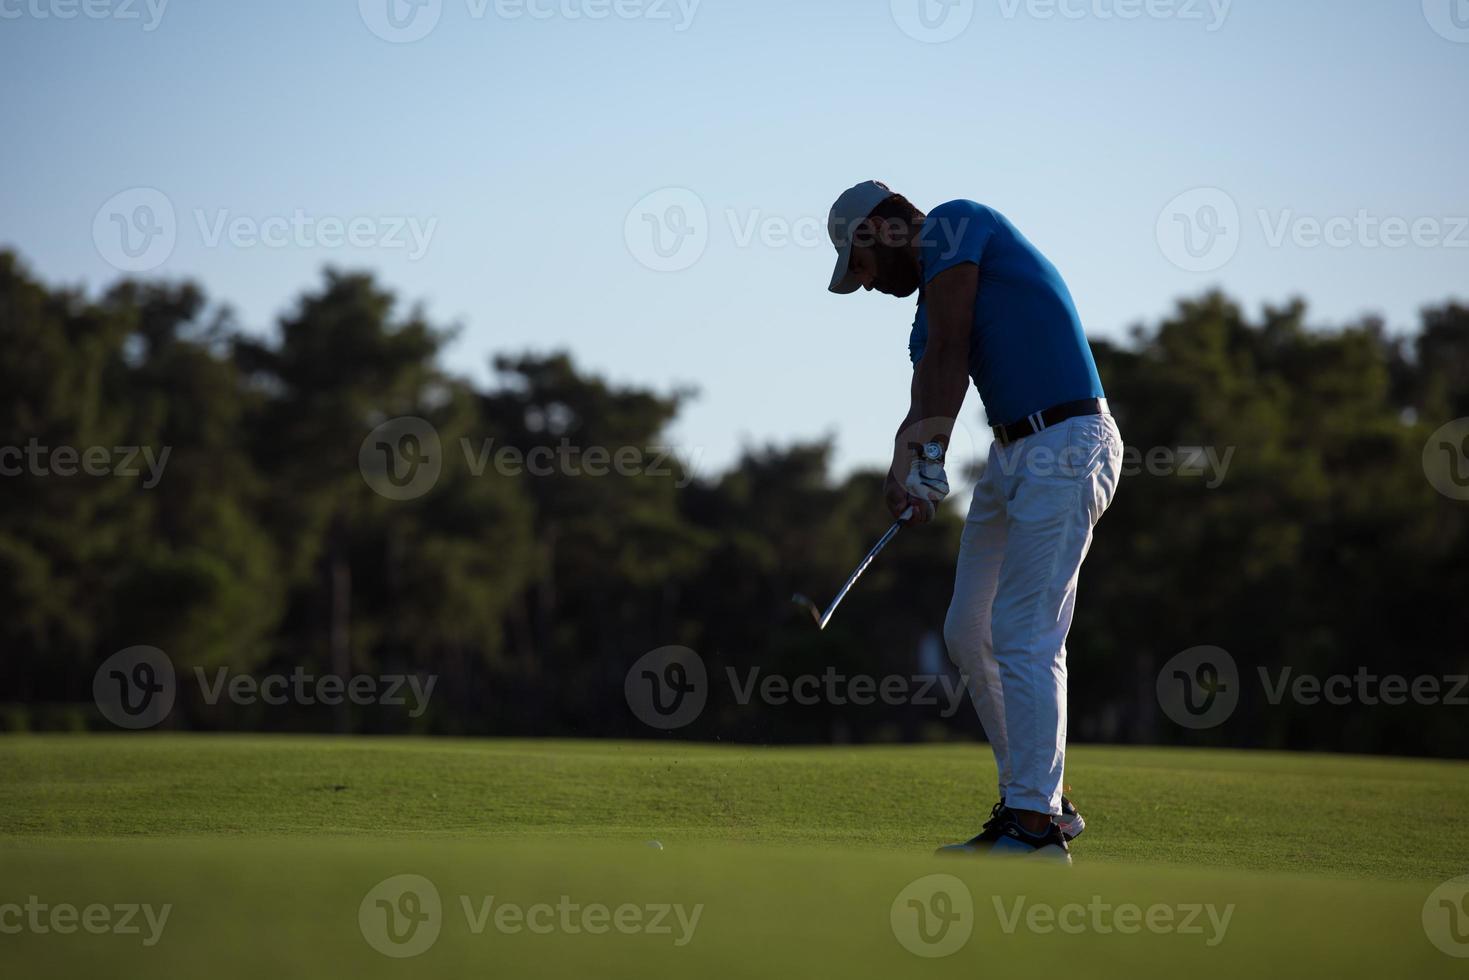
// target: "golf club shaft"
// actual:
[[876, 550]]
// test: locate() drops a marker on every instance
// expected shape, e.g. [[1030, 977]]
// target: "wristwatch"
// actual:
[[932, 451]]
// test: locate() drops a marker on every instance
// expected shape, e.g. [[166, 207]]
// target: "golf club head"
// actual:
[[809, 606]]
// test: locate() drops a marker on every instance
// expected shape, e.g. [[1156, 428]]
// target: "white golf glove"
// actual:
[[928, 482]]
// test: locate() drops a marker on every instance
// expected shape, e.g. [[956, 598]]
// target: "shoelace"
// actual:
[[995, 814]]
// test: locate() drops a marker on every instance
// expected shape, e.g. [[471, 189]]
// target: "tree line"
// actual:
[[327, 500]]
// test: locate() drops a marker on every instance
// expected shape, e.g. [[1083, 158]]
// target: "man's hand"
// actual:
[[927, 481], [900, 502]]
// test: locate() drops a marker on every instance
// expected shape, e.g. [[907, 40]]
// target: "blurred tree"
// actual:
[[436, 573], [612, 551]]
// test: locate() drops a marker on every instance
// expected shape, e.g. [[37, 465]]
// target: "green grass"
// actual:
[[266, 847]]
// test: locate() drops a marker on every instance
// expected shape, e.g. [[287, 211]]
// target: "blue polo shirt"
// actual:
[[1027, 351]]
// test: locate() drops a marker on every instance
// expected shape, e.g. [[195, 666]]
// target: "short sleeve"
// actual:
[[953, 234], [918, 336]]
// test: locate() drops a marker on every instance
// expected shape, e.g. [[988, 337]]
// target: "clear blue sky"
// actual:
[[529, 140]]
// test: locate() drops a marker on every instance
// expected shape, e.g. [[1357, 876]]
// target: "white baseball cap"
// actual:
[[847, 215]]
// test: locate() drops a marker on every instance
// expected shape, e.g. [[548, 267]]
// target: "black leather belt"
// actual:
[[1041, 421]]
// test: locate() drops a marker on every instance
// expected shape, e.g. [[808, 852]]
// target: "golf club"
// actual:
[[823, 618]]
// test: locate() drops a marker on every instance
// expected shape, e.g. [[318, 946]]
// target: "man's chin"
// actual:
[[902, 292]]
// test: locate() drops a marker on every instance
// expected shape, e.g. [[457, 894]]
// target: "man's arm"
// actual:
[[941, 377]]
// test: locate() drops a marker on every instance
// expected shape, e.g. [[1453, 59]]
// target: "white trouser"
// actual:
[[1028, 530]]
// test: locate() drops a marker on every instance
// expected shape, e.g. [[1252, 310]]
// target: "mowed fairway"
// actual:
[[775, 862]]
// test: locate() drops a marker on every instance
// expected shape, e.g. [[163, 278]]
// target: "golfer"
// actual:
[[993, 309]]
